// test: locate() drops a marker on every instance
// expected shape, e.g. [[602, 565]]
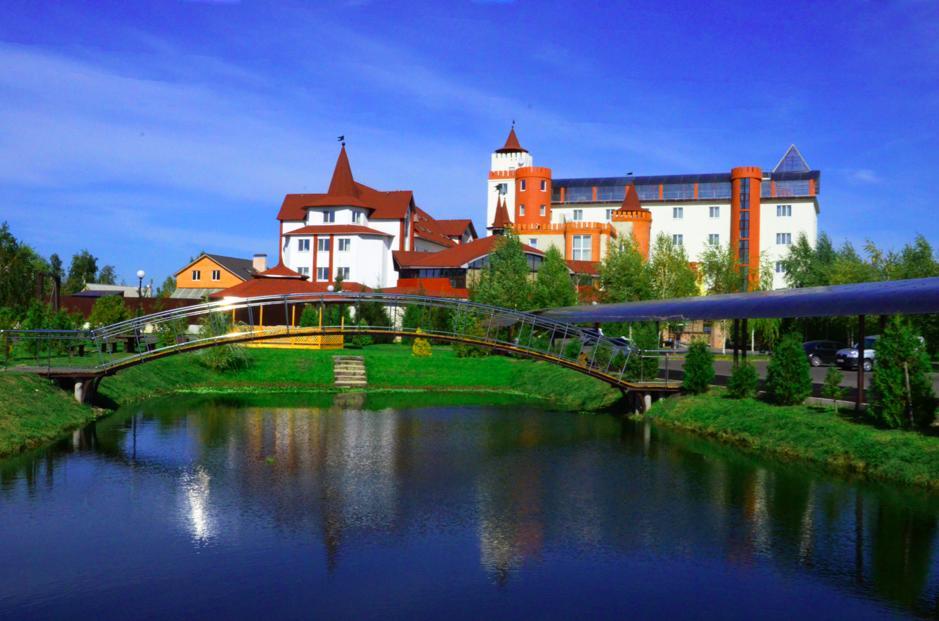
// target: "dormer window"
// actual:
[[329, 216]]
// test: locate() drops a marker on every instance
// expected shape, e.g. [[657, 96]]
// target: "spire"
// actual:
[[512, 144], [631, 199], [342, 183], [501, 220], [791, 161]]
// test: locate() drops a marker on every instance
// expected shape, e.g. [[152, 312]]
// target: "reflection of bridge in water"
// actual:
[[274, 319]]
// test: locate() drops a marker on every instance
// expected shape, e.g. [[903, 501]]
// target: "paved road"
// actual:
[[723, 369]]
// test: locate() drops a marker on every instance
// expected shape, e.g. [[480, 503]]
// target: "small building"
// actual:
[[211, 273]]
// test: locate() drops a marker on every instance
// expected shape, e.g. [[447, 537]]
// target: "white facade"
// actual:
[[782, 220], [501, 184]]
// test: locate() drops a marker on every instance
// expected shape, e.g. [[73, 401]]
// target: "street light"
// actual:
[[140, 275]]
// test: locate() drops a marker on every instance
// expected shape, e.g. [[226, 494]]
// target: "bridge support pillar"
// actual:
[[85, 389]]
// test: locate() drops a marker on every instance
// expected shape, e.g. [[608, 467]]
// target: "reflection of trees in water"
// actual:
[[527, 482]]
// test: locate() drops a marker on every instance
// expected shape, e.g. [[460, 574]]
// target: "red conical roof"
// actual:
[[281, 271], [501, 219], [511, 144], [342, 183], [631, 199]]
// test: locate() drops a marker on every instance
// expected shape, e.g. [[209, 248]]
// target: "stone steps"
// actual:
[[349, 371]]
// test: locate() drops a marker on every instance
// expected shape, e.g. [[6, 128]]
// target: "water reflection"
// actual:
[[522, 492]]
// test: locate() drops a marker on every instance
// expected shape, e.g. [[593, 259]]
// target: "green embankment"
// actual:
[[806, 433], [34, 411]]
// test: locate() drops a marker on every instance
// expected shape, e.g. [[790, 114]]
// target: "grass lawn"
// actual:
[[806, 433], [34, 411]]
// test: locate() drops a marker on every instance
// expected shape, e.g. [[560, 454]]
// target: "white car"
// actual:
[[847, 358]]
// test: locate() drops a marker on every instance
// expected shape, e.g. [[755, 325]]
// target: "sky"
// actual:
[[147, 132]]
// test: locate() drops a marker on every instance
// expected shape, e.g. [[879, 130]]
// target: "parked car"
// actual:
[[847, 358], [821, 352]]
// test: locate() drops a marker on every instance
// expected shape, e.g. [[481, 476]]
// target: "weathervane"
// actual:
[[342, 140]]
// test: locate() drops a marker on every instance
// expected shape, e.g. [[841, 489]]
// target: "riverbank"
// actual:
[[805, 433], [35, 411]]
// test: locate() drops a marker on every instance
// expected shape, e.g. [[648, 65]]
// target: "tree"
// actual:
[[168, 288], [670, 273], [806, 266], [788, 378], [107, 275], [623, 274], [720, 271], [505, 282], [901, 389], [699, 369], [108, 309], [553, 284], [82, 270], [227, 357], [374, 314], [849, 267], [832, 389], [310, 317], [360, 340], [55, 266], [743, 381], [19, 270]]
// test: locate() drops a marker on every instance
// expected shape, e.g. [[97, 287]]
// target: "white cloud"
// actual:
[[865, 175]]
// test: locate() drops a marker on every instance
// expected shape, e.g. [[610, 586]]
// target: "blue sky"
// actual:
[[148, 131]]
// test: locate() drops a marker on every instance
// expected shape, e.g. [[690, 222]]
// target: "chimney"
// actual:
[[259, 263]]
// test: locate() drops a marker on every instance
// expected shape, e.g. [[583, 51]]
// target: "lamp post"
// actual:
[[140, 275]]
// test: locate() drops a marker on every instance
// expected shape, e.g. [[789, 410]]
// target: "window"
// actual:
[[322, 273], [342, 272], [780, 267], [521, 210], [783, 211], [609, 215], [714, 239], [533, 242], [578, 215], [303, 271], [521, 185], [502, 188], [678, 239], [329, 216], [580, 248], [783, 239], [714, 212], [345, 245], [216, 274], [544, 185], [303, 245], [356, 217], [322, 244], [678, 213], [197, 274], [542, 210]]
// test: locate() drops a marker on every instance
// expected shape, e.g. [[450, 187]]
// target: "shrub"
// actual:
[[572, 349], [107, 310], [310, 317], [699, 369], [638, 367], [901, 390], [470, 326], [743, 382], [788, 379], [358, 341], [832, 388], [221, 357], [420, 347]]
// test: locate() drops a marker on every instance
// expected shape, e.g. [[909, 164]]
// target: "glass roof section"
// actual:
[[792, 161]]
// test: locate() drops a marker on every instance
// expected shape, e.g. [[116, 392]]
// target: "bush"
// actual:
[[743, 382], [832, 388], [108, 310], [221, 357], [310, 317], [420, 347], [358, 341], [470, 326], [788, 379], [645, 337], [901, 389], [699, 369]]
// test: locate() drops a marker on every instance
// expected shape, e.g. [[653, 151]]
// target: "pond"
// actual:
[[408, 506]]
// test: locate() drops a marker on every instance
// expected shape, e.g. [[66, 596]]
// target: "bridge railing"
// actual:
[[138, 339]]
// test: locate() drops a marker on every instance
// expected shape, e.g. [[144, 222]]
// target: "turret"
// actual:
[[633, 219], [502, 185]]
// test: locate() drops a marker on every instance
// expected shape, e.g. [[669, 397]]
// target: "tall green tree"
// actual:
[[20, 267], [623, 273], [505, 281], [720, 271], [167, 288], [670, 273], [107, 275], [788, 378], [82, 270], [55, 266], [807, 266], [553, 284], [901, 389]]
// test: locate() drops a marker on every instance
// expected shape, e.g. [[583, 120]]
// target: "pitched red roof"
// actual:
[[280, 271], [631, 199], [588, 268], [455, 227], [336, 229], [279, 286], [511, 144], [344, 191], [455, 257], [501, 219], [426, 231]]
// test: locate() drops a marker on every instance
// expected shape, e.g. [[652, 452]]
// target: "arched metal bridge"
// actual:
[[112, 348]]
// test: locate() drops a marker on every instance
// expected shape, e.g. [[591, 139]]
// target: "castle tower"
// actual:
[[502, 184], [633, 219], [745, 219]]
